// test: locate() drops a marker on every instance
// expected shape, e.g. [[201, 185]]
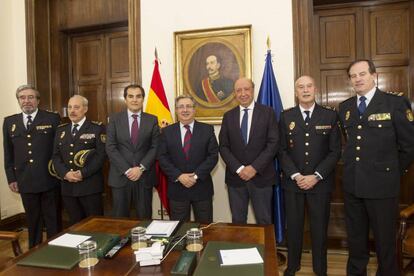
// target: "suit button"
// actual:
[[71, 170], [359, 126], [306, 134], [379, 125], [29, 152], [71, 153], [306, 124], [358, 148], [306, 163], [306, 144], [359, 137], [387, 169], [29, 144], [357, 159], [71, 145], [31, 160], [306, 153], [29, 136]]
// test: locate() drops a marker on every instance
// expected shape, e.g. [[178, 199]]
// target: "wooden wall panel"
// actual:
[[117, 103], [334, 87], [89, 61], [117, 55], [394, 79], [96, 110]]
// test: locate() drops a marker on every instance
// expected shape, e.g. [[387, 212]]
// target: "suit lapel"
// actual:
[[123, 122], [236, 122], [36, 121], [177, 142], [83, 129]]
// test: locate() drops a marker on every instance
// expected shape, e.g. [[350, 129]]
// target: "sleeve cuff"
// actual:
[[239, 169], [294, 175]]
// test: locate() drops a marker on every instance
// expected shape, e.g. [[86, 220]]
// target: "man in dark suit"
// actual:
[[132, 141], [78, 157], [379, 134], [248, 145], [187, 153], [28, 139], [310, 148]]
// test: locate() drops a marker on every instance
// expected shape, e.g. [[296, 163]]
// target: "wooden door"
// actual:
[[346, 32], [99, 66]]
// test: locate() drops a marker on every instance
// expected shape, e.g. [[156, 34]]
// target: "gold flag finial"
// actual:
[[268, 42], [156, 54]]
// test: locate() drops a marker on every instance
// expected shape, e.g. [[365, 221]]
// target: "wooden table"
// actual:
[[124, 263]]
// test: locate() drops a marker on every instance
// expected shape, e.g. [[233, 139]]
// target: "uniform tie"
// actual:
[[362, 105], [244, 125], [134, 130], [75, 130], [29, 121], [187, 142], [307, 118]]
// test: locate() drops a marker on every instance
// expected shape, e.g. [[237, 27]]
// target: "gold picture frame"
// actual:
[[207, 63]]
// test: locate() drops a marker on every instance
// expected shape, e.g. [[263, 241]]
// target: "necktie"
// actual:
[[187, 142], [134, 130], [244, 125], [362, 105], [307, 118], [75, 130], [29, 121]]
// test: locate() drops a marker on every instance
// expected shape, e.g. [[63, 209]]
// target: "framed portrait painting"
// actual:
[[207, 63]]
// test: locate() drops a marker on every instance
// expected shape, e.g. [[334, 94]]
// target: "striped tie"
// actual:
[[187, 142]]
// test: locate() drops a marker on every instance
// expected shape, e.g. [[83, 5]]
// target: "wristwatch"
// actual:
[[317, 176]]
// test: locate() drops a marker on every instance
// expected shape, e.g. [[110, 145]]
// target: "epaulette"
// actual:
[[329, 107], [394, 93], [288, 109], [64, 124], [96, 123]]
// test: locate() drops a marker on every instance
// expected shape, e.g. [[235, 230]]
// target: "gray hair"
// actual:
[[27, 87], [84, 100], [185, 97]]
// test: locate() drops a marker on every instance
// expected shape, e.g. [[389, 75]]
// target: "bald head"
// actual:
[[305, 90], [244, 91]]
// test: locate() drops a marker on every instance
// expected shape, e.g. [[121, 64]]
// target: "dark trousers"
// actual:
[[80, 207], [133, 192], [261, 201], [318, 207], [42, 209], [381, 216], [203, 210]]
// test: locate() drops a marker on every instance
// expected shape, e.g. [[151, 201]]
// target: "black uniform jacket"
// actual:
[[309, 149], [91, 136], [203, 157], [27, 152], [379, 146]]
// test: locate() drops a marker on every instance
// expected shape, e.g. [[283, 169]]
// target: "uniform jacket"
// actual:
[[124, 155], [260, 150], [91, 136], [27, 152], [203, 157], [306, 149], [379, 146]]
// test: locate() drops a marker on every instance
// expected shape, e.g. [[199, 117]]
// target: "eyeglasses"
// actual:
[[188, 106], [30, 98]]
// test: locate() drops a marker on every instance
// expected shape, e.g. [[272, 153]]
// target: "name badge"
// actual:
[[43, 127], [379, 117], [87, 136], [323, 127]]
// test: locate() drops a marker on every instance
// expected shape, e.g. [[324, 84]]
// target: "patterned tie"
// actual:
[[362, 105], [244, 125], [134, 130], [307, 118], [187, 142], [75, 130], [29, 121]]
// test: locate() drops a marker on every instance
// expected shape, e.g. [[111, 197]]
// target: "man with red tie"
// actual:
[[187, 153], [132, 140]]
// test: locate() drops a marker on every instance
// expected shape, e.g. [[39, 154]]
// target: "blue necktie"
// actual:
[[244, 125], [362, 105], [307, 118]]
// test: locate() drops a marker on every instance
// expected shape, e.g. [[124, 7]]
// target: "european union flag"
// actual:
[[269, 95]]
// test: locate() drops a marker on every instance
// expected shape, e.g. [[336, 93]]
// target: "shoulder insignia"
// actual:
[[103, 138], [409, 114], [394, 93], [64, 124], [289, 109], [329, 107], [96, 123]]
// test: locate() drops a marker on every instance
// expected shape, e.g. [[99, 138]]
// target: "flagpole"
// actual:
[[161, 207]]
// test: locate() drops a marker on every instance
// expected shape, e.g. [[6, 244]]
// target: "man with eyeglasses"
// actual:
[[28, 145], [131, 145], [188, 152]]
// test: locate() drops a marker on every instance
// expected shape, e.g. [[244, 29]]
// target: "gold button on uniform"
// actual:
[[71, 145], [357, 159], [29, 144], [306, 134], [379, 125], [306, 153], [306, 144], [359, 126], [71, 153], [387, 169], [70, 161], [30, 152], [31, 160], [29, 136], [359, 137], [358, 148]]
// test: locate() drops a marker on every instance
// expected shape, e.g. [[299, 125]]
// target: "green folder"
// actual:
[[65, 257], [209, 263]]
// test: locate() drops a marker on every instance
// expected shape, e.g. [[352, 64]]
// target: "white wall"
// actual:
[[13, 73], [160, 19]]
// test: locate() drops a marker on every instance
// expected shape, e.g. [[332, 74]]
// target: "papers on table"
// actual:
[[240, 256], [69, 240], [150, 255], [161, 228]]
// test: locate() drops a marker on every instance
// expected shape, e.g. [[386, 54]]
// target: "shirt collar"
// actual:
[[80, 123], [32, 114], [250, 107], [302, 110], [132, 113], [190, 124], [369, 95]]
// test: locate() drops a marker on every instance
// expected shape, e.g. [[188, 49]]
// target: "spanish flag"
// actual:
[[157, 105]]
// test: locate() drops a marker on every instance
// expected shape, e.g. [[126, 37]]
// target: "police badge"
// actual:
[[292, 125]]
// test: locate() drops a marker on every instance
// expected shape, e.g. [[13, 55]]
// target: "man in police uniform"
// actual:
[[78, 157], [27, 140], [379, 145], [310, 148]]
